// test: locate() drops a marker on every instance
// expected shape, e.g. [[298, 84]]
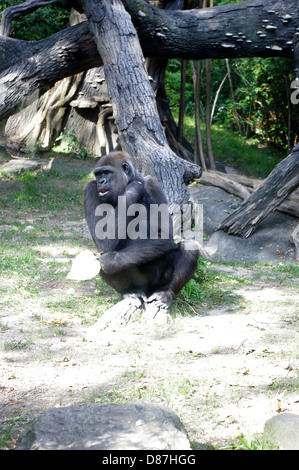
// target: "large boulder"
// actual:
[[270, 243], [283, 431], [133, 426]]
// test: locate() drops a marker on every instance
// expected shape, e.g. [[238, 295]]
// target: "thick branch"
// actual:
[[255, 28], [64, 54], [266, 198]]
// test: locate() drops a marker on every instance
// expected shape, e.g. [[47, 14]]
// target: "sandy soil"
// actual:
[[224, 371]]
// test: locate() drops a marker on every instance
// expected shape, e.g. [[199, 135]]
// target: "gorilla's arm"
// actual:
[[141, 251], [134, 192], [136, 254]]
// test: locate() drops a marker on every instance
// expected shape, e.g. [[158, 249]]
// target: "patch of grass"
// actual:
[[17, 345], [46, 191], [231, 149], [208, 288], [256, 442]]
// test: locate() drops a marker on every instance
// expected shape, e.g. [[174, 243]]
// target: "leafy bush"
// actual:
[[39, 24]]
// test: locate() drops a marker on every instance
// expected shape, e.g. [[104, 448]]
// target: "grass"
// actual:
[[42, 190], [249, 157], [208, 288], [37, 248]]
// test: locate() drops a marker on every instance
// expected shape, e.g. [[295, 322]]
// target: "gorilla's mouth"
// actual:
[[102, 192]]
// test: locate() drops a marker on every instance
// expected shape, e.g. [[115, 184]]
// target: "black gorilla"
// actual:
[[148, 265]]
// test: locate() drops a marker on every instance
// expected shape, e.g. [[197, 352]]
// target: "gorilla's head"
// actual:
[[113, 173]]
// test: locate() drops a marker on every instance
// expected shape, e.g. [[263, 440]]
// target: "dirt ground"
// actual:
[[223, 371]]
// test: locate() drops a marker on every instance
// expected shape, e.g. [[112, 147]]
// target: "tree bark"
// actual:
[[255, 28], [41, 122], [199, 156], [243, 186], [140, 132], [265, 199], [62, 55]]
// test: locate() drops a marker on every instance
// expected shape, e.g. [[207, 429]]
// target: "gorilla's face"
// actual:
[[112, 181]]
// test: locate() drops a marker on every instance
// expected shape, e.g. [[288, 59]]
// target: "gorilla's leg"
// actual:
[[180, 269]]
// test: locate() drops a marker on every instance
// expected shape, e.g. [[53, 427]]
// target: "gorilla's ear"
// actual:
[[127, 168]]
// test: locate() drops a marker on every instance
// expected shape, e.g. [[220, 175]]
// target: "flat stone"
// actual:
[[20, 165], [133, 426], [283, 431]]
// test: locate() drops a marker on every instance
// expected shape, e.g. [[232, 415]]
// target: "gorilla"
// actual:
[[147, 264]]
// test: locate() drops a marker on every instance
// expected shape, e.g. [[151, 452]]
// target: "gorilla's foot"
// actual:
[[156, 312], [125, 311]]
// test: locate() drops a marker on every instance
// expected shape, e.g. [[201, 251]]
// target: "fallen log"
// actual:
[[213, 178], [269, 195], [243, 186]]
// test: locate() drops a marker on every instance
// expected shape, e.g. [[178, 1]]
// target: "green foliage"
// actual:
[[39, 24], [249, 156], [261, 92], [69, 143]]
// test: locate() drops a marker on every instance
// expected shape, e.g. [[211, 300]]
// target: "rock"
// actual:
[[270, 243], [85, 266], [133, 426], [19, 165], [4, 228], [283, 431]]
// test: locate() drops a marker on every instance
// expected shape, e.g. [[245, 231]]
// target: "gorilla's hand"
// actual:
[[107, 261], [115, 261], [134, 192]]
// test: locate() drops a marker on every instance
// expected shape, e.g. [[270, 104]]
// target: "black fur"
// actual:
[[155, 269]]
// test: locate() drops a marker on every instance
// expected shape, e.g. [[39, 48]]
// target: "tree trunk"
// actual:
[[182, 101], [62, 55], [40, 123], [199, 156], [134, 106], [266, 198], [233, 95], [211, 160], [255, 28]]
